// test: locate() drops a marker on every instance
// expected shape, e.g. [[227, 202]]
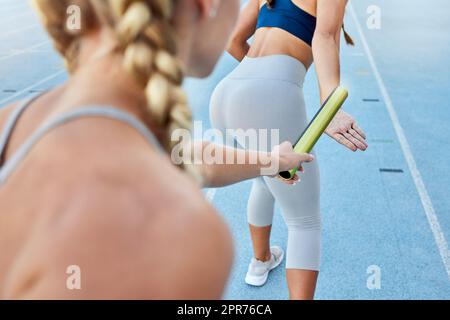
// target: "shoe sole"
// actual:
[[257, 281], [261, 280]]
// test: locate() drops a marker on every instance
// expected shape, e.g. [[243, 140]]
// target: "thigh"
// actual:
[[260, 205], [300, 204]]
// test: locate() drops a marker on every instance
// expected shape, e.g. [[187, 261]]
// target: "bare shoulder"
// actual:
[[135, 226], [5, 112]]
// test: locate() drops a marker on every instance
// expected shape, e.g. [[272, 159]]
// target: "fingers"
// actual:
[[359, 138], [287, 144], [359, 130], [344, 141], [283, 147], [355, 141], [291, 182], [305, 157], [294, 180], [361, 142]]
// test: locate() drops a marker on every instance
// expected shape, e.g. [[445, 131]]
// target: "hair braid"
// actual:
[[54, 17], [146, 35], [148, 42]]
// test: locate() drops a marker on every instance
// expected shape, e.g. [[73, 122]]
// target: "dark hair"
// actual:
[[348, 38]]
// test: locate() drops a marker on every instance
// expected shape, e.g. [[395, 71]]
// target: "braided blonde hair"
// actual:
[[148, 43]]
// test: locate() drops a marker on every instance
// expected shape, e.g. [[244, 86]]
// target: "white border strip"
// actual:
[[415, 173], [2, 102]]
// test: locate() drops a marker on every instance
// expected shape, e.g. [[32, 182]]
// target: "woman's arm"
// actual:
[[325, 46], [230, 165], [245, 28]]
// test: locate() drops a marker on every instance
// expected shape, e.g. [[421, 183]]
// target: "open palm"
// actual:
[[344, 130]]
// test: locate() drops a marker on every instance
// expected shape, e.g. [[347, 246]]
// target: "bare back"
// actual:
[[270, 41], [93, 193]]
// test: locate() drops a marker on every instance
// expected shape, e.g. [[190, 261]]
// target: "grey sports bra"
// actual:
[[8, 167]]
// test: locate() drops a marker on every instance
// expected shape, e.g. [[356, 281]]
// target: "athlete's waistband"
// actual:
[[274, 67]]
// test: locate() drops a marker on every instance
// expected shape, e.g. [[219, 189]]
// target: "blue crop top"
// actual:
[[285, 15]]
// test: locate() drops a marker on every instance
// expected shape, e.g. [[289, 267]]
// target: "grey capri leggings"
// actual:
[[267, 93]]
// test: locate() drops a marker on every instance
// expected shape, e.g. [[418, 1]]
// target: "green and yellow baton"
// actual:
[[318, 125]]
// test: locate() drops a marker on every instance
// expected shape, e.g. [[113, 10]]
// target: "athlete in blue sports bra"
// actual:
[[265, 92], [284, 14]]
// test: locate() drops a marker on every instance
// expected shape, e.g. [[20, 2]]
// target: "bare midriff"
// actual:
[[274, 41]]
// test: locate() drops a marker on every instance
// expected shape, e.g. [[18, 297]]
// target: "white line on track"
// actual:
[[210, 195], [415, 173], [50, 77], [15, 17], [19, 52], [6, 34], [12, 8]]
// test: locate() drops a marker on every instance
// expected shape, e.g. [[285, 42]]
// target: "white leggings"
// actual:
[[266, 93]]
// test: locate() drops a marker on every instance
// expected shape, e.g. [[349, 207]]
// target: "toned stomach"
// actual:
[[274, 41]]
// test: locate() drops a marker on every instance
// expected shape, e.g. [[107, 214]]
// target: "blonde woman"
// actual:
[[265, 92], [86, 183]]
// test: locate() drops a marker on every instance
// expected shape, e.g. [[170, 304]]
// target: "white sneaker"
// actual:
[[258, 271]]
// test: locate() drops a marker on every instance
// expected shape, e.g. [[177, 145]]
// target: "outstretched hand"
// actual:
[[345, 130]]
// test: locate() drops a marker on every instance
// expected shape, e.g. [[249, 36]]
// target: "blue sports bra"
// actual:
[[285, 15]]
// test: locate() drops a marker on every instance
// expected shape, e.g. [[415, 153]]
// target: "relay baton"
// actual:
[[318, 125]]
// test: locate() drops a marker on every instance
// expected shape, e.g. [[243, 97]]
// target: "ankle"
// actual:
[[264, 257]]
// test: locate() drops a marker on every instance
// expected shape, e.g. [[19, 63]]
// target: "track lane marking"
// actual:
[[19, 52], [430, 213], [26, 90]]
